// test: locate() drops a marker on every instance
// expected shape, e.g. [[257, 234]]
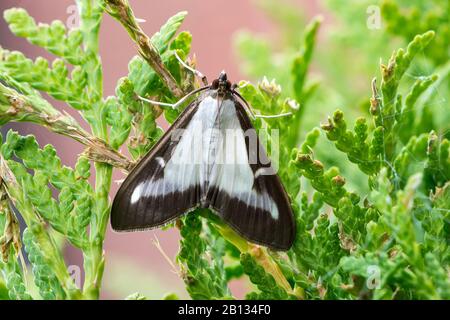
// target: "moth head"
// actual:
[[223, 76], [221, 83]]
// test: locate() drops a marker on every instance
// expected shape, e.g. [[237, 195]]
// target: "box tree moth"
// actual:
[[211, 157]]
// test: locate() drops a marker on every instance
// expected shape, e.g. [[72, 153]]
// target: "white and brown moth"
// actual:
[[213, 164]]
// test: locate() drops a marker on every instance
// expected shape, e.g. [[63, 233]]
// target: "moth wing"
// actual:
[[159, 188], [244, 189]]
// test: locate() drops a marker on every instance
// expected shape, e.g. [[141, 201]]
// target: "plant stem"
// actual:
[[105, 156], [95, 260], [98, 227], [91, 12], [259, 253], [121, 10], [21, 107]]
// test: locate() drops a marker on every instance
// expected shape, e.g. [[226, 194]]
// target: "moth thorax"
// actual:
[[221, 84], [211, 153]]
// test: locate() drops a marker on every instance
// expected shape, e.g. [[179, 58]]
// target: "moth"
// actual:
[[208, 159]]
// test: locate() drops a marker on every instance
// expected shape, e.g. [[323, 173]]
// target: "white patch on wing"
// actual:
[[232, 172], [161, 161], [137, 193]]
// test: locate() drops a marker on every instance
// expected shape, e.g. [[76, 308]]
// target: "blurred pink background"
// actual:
[[133, 263]]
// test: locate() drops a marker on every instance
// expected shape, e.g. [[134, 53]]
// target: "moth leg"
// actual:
[[194, 71], [176, 104], [273, 115]]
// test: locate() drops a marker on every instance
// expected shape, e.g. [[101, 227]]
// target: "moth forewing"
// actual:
[[134, 207]]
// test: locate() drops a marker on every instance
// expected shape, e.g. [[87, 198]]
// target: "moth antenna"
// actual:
[[247, 105], [274, 115], [194, 71], [176, 104], [158, 103]]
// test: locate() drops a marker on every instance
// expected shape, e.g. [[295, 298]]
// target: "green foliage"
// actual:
[[56, 40], [265, 283], [360, 150], [407, 270], [382, 235], [369, 187], [53, 38], [350, 243], [71, 215], [14, 281], [44, 278], [204, 276], [45, 191], [52, 80], [408, 20]]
